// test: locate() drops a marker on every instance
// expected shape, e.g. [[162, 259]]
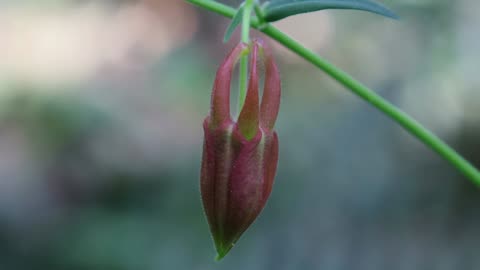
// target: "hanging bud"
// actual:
[[239, 157]]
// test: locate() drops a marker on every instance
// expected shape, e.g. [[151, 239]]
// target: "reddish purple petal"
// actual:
[[245, 186], [217, 159], [271, 93], [270, 161], [248, 118], [220, 104]]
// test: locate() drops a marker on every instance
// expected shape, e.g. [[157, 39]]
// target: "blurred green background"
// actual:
[[101, 110]]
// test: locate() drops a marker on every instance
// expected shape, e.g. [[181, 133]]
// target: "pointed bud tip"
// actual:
[[220, 256], [222, 251]]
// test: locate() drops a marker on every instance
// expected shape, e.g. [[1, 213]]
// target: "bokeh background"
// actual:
[[101, 106]]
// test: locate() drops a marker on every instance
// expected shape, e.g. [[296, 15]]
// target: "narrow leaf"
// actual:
[[237, 19], [279, 9]]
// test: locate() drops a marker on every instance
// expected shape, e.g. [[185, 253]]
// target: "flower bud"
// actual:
[[239, 157]]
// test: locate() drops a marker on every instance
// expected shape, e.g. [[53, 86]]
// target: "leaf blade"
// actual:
[[236, 20], [277, 10]]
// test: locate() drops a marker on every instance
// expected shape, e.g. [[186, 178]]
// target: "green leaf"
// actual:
[[278, 9], [237, 19]]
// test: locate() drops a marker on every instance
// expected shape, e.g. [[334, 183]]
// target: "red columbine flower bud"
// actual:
[[239, 158]]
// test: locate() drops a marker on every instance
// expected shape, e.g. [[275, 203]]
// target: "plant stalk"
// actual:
[[243, 72]]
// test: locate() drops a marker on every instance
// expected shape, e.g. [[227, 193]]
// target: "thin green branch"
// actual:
[[406, 121]]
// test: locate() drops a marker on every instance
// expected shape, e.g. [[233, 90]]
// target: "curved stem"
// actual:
[[406, 121]]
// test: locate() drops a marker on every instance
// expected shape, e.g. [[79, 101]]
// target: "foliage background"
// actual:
[[101, 105]]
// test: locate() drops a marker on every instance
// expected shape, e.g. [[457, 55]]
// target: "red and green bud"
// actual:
[[239, 157]]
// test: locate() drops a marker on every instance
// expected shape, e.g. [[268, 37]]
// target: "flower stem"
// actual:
[[403, 119], [243, 72]]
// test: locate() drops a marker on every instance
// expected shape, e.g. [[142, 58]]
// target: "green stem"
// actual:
[[407, 122], [243, 71], [247, 14]]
